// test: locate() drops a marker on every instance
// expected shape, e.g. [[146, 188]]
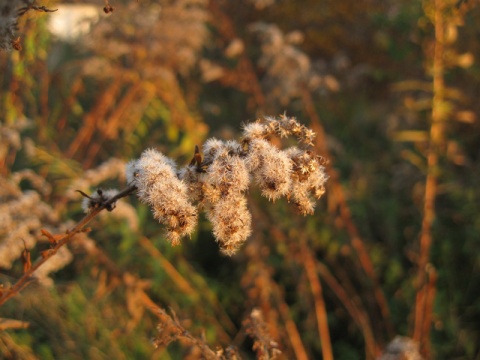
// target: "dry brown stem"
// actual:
[[13, 324], [23, 10], [267, 295], [292, 331], [11, 350], [320, 309], [424, 301], [110, 128]]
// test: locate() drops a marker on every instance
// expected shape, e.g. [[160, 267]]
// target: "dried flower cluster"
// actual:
[[218, 181], [265, 347], [288, 70], [173, 31], [22, 215], [98, 198], [401, 347]]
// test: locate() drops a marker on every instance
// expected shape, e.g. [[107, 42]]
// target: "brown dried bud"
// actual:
[[16, 44], [108, 9]]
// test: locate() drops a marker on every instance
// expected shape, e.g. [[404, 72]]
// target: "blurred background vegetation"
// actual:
[[391, 87]]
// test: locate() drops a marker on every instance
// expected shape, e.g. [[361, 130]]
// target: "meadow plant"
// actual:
[[217, 182]]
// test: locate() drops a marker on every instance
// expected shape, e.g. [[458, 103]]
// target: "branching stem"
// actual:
[[69, 234]]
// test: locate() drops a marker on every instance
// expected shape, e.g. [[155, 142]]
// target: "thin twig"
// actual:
[[25, 279], [181, 332], [24, 9]]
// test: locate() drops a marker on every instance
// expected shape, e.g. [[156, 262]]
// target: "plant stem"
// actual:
[[424, 302], [26, 277]]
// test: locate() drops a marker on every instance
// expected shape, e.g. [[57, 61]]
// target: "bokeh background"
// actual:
[[391, 87]]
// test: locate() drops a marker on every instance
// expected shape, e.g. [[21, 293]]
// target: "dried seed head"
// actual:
[[299, 195], [108, 9], [211, 148], [228, 173], [285, 126], [218, 180], [271, 168], [255, 130], [231, 222], [308, 179], [155, 178]]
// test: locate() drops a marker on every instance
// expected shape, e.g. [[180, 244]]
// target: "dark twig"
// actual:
[[23, 10]]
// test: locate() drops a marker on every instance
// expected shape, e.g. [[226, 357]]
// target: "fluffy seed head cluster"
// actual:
[[158, 186], [218, 181], [308, 179], [296, 172]]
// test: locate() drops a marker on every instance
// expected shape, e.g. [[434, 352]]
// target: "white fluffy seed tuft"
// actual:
[[158, 186], [271, 168], [231, 222]]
